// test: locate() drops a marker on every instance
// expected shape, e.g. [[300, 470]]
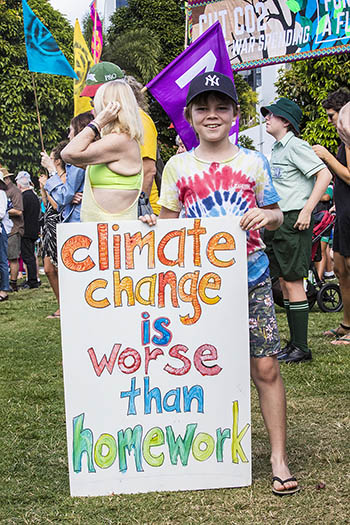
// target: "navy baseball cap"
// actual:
[[211, 81]]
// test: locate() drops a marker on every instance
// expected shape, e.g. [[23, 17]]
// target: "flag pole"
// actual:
[[38, 114], [186, 24]]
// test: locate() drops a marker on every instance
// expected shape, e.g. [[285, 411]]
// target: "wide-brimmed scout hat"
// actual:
[[286, 109], [100, 74], [211, 81]]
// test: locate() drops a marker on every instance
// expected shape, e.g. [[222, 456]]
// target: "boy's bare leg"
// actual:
[[293, 290], [266, 375]]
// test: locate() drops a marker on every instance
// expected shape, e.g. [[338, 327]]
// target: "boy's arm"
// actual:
[[323, 178], [269, 217], [165, 213], [343, 172]]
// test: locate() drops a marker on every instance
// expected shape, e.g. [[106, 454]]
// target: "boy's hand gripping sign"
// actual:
[[155, 355]]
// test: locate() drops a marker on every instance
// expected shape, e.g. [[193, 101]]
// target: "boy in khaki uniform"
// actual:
[[300, 179]]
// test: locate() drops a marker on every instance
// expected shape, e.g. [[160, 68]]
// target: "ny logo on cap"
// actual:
[[213, 80]]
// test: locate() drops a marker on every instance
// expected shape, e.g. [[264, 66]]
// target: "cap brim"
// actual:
[[274, 110], [90, 91]]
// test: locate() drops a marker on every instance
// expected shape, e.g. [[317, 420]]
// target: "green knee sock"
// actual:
[[289, 319], [299, 313]]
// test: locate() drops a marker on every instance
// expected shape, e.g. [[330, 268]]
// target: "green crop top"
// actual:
[[102, 177]]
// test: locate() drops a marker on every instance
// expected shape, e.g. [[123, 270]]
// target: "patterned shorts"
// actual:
[[263, 331]]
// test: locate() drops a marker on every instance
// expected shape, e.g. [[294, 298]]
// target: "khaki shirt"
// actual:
[[293, 166]]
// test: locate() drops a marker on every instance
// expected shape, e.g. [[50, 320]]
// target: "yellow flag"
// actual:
[[83, 61]]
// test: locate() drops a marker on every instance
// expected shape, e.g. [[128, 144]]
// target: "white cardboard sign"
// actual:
[[155, 355]]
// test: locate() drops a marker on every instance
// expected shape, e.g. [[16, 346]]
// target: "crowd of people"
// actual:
[[106, 171]]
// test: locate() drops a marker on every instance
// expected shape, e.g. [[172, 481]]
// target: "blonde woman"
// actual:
[[114, 175]]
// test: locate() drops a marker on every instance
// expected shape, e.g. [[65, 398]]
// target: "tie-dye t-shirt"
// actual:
[[202, 188]]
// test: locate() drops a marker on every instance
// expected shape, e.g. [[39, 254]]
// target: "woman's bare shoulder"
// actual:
[[121, 140]]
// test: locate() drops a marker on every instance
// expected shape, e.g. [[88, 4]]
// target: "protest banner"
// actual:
[[272, 32], [155, 346]]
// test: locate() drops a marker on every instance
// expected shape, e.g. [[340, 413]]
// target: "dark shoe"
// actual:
[[27, 286], [285, 350], [13, 286], [296, 355]]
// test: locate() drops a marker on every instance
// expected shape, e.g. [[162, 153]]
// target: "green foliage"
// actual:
[[137, 51], [167, 151], [308, 83], [87, 27], [19, 132], [246, 142], [247, 100], [164, 19], [144, 37]]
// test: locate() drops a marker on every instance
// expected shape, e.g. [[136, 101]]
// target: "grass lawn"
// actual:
[[33, 466]]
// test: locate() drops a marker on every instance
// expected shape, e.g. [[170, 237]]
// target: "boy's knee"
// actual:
[[265, 369]]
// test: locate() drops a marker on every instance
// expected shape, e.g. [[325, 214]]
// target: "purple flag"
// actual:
[[97, 38], [170, 86]]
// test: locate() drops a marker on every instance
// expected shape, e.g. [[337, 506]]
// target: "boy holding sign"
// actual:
[[218, 178]]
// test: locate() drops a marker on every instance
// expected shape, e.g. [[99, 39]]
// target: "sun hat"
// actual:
[[4, 173], [286, 109], [211, 81], [100, 74]]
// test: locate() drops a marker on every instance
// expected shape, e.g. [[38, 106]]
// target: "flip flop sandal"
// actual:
[[344, 340], [285, 492], [3, 298], [53, 316], [334, 332]]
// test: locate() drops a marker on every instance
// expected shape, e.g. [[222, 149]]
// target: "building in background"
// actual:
[[262, 80], [109, 7]]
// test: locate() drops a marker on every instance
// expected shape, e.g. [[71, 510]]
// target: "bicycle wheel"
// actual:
[[329, 298]]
